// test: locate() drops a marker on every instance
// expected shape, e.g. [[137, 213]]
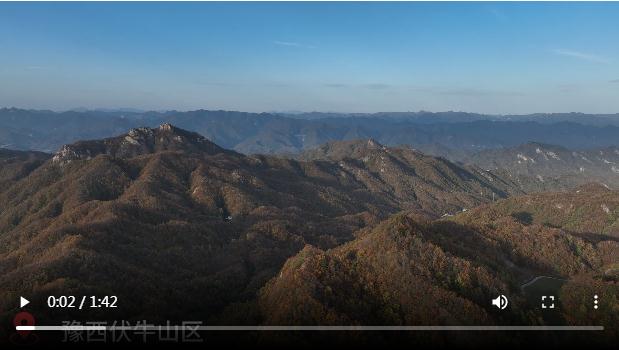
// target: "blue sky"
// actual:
[[346, 57]]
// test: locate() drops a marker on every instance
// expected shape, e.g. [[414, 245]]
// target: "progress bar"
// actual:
[[310, 328]]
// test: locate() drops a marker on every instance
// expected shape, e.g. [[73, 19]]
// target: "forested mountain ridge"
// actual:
[[413, 271], [547, 163], [167, 214]]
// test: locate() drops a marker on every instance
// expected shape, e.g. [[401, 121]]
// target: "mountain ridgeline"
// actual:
[[450, 134], [550, 164], [168, 214], [137, 142], [348, 233], [411, 271]]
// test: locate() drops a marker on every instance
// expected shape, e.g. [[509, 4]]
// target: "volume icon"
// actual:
[[500, 302]]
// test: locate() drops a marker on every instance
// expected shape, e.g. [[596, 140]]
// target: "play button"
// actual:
[[23, 301]]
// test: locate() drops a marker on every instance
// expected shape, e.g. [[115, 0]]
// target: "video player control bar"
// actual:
[[312, 328]]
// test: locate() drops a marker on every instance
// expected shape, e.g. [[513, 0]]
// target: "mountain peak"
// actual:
[[139, 141], [166, 127], [374, 144]]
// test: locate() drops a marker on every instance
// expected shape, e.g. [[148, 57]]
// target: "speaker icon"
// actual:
[[500, 302]]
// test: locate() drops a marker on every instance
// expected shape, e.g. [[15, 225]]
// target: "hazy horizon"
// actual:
[[289, 112]]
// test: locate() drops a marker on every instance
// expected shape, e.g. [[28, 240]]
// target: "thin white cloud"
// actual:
[[377, 86], [374, 86], [293, 44], [498, 14], [582, 56]]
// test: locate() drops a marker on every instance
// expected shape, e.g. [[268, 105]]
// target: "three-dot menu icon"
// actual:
[[595, 302]]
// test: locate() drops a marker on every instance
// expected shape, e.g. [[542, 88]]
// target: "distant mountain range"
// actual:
[[454, 135]]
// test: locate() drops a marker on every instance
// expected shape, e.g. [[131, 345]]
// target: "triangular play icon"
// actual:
[[23, 301]]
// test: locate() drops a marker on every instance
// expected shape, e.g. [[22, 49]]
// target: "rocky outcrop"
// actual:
[[136, 142]]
